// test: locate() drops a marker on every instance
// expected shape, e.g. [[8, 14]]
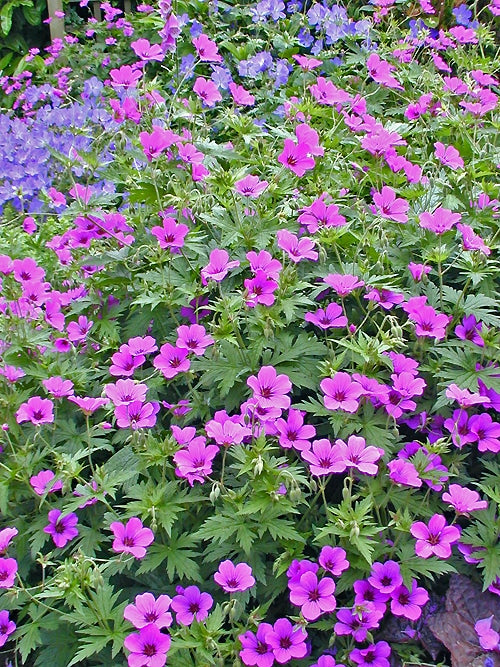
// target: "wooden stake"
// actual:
[[56, 25]]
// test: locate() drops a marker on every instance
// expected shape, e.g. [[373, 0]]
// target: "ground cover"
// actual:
[[249, 339]]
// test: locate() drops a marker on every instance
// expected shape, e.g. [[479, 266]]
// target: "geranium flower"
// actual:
[[45, 482], [136, 414], [190, 604], [314, 596], [386, 577], [463, 500], [270, 389], [259, 290], [218, 266], [324, 458], [193, 338], [194, 462], [58, 386], [6, 536], [296, 157], [287, 641], [332, 317], [320, 215], [7, 627], [341, 393], [439, 222], [126, 391], [293, 432], [207, 91], [255, 649], [388, 206], [233, 578], [206, 49], [241, 96], [435, 538], [147, 609], [36, 410], [333, 560], [343, 284], [373, 656], [62, 528], [448, 156], [146, 51], [148, 648], [409, 603], [172, 360], [250, 186], [171, 234], [131, 538]]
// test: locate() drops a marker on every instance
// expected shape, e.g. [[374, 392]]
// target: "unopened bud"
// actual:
[[259, 466]]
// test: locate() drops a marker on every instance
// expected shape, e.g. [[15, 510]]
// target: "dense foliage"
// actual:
[[249, 337]]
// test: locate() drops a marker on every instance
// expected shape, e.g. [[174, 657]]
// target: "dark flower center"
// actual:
[[128, 541], [194, 608], [151, 616], [285, 642], [149, 650], [314, 595], [232, 583], [59, 527]]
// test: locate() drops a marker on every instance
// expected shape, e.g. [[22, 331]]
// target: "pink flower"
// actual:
[[314, 597], [206, 49], [264, 261], [343, 284], [293, 432], [463, 500], [255, 649], [333, 560], [320, 215], [297, 249], [404, 472], [146, 51], [218, 266], [486, 432], [489, 639], [341, 393], [7, 627], [418, 271], [380, 71], [170, 235], [409, 603], [448, 156], [193, 338], [62, 528], [124, 363], [259, 289], [241, 96], [147, 609], [8, 571], [44, 482], [307, 63], [386, 577], [191, 604], [233, 578], [332, 317], [270, 389], [287, 641], [194, 462], [172, 360], [136, 414], [36, 410], [435, 538], [87, 404], [439, 222], [388, 206], [58, 386], [207, 91], [156, 142], [324, 458], [6, 536], [472, 241], [131, 538], [355, 454], [148, 648], [250, 186], [296, 157], [373, 656], [125, 77], [126, 391]]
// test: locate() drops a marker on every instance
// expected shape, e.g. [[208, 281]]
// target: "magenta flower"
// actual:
[[44, 482], [464, 397], [355, 454], [126, 391], [146, 51], [333, 560], [471, 240], [297, 249], [470, 329], [270, 389], [191, 604], [404, 472], [385, 298], [226, 432], [207, 91], [147, 609], [489, 639], [320, 215], [409, 603], [463, 500], [435, 538], [218, 266], [381, 72], [327, 661], [87, 404], [172, 360], [132, 537], [6, 536], [293, 432], [233, 578], [260, 289], [341, 393], [343, 284], [418, 271], [250, 186], [124, 363], [154, 143], [324, 458], [58, 386], [206, 49], [125, 77], [486, 432], [194, 462], [386, 577], [264, 261], [193, 338], [148, 648], [373, 656], [7, 627], [439, 222], [314, 597], [296, 157], [448, 156], [388, 206], [136, 415], [78, 331], [36, 410], [26, 270], [332, 317], [62, 528], [358, 620], [255, 649], [170, 235], [241, 97], [287, 641], [8, 570]]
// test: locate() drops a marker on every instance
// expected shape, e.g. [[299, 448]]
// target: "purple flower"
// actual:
[[388, 206], [126, 391], [131, 538], [193, 338], [435, 538], [314, 596], [287, 641], [233, 578], [7, 627], [448, 156], [172, 360], [297, 249], [170, 235], [194, 462], [148, 648], [6, 536], [270, 389], [293, 432], [333, 560], [320, 215], [463, 500], [296, 157], [404, 472], [147, 609], [255, 649], [355, 454], [191, 604], [409, 603], [136, 415], [36, 410], [207, 91], [218, 266], [44, 482], [250, 186], [341, 393], [58, 386], [332, 317], [486, 432], [386, 577], [260, 289], [8, 570], [343, 284], [324, 458], [358, 620], [62, 528], [87, 404], [470, 329], [439, 222], [489, 639], [373, 656]]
